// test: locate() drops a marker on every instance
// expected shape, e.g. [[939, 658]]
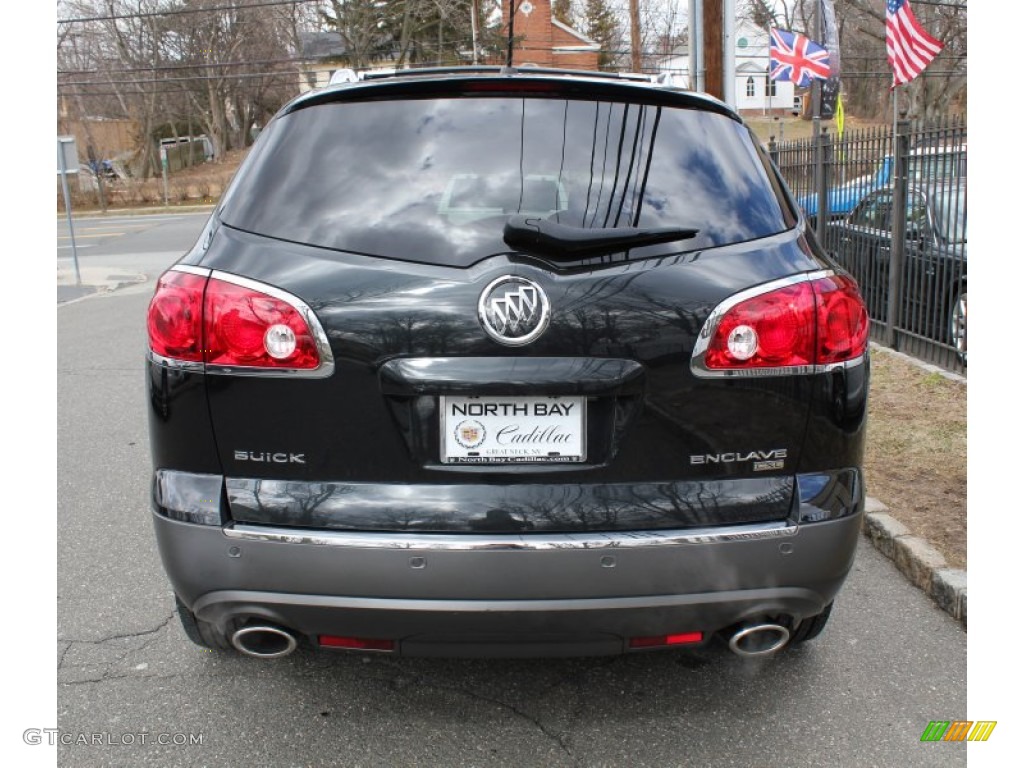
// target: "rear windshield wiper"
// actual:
[[534, 234]]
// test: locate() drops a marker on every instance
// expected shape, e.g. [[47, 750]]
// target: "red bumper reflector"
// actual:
[[683, 638], [357, 643]]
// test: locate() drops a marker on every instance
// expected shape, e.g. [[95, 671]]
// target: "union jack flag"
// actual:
[[796, 58]]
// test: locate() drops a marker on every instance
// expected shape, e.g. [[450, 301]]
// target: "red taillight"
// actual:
[[525, 86], [357, 643], [250, 328], [194, 318], [682, 638], [771, 330], [812, 323], [843, 324], [175, 318]]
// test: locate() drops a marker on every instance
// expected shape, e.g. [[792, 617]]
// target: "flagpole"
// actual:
[[895, 112], [819, 153], [768, 72]]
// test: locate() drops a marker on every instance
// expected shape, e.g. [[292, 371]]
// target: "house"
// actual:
[[755, 92], [544, 41], [108, 137], [322, 53], [541, 41]]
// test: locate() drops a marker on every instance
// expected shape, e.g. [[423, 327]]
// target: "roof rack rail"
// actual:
[[638, 76], [499, 69], [415, 71]]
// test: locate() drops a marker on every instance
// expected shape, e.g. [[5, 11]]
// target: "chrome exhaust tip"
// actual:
[[264, 642], [758, 640]]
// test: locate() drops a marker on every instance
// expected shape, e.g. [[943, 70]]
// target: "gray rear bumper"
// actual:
[[506, 594]]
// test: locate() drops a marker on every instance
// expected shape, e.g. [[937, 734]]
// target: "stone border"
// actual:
[[919, 561], [928, 367]]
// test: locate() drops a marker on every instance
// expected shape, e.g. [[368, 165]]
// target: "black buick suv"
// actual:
[[507, 363]]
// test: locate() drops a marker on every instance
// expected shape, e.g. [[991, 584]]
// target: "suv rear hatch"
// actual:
[[383, 207]]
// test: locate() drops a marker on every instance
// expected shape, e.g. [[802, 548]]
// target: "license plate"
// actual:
[[513, 430]]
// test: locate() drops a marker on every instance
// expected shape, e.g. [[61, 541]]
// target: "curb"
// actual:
[[919, 561], [951, 375], [95, 280], [139, 211], [98, 278]]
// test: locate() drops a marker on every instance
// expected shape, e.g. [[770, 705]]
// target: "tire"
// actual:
[[811, 627], [202, 633], [958, 323]]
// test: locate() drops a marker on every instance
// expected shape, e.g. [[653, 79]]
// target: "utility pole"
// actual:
[[634, 34], [713, 53], [511, 30], [695, 37], [729, 52], [472, 19]]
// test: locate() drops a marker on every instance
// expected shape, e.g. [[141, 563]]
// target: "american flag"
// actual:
[[910, 49], [795, 58]]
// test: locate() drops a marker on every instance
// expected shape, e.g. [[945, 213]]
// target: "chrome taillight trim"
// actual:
[[707, 332], [323, 347], [192, 366], [534, 542], [191, 270]]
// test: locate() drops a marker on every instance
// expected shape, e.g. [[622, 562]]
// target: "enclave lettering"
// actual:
[[732, 457]]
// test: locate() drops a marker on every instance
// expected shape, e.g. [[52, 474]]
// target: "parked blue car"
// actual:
[[934, 299], [926, 164]]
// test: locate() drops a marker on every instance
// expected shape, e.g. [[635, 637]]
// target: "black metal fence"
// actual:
[[893, 212]]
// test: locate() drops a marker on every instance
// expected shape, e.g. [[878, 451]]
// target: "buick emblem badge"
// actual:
[[513, 310]]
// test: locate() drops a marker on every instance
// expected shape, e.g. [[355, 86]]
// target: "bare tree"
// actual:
[[866, 76], [229, 58], [172, 65], [661, 30], [402, 32], [931, 94]]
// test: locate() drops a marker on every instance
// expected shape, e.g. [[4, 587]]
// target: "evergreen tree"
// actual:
[[562, 10], [602, 26]]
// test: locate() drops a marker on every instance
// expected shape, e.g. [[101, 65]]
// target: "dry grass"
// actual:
[[201, 184], [916, 458], [793, 128]]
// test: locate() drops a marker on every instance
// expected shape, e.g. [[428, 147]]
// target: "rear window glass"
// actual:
[[434, 180]]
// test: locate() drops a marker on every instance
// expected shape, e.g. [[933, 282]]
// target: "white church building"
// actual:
[[755, 92]]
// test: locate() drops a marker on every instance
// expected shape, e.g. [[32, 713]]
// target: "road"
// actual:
[[128, 246], [860, 695]]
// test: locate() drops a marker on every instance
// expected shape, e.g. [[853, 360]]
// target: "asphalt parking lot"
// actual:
[[889, 662]]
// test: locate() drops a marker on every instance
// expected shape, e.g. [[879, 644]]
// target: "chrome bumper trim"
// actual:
[[536, 542]]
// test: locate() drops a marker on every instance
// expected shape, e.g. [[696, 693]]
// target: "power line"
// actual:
[[179, 11], [157, 81], [173, 67], [280, 79]]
